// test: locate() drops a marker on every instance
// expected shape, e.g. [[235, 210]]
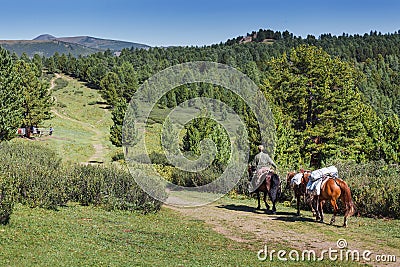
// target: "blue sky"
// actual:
[[202, 22]]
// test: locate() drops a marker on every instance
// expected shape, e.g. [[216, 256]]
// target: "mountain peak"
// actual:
[[45, 37]]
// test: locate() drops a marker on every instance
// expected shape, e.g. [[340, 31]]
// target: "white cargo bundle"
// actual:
[[317, 174]]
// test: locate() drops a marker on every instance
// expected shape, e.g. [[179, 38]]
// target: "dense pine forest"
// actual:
[[333, 97]]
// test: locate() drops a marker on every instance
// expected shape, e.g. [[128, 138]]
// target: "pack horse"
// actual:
[[323, 186]]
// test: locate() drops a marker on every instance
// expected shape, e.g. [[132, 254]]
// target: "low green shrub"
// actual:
[[33, 171], [60, 84], [375, 187], [61, 105], [33, 175], [109, 187], [6, 201], [193, 179], [78, 92], [118, 156]]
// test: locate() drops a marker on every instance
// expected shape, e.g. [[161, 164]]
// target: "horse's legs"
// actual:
[[298, 205], [308, 199], [346, 214], [265, 201], [273, 203], [314, 203], [335, 209], [321, 209], [258, 199], [345, 221], [273, 207]]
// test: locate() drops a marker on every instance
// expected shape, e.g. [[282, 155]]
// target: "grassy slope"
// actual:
[[81, 125]]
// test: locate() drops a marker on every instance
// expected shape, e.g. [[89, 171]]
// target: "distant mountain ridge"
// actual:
[[47, 45], [45, 37], [102, 44]]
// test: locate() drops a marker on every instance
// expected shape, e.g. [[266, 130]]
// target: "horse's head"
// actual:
[[289, 177]]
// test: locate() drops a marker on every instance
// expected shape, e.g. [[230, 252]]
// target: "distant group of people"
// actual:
[[28, 131]]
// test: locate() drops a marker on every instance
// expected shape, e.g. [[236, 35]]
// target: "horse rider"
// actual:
[[260, 160]]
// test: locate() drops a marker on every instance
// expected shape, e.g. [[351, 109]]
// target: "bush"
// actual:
[[6, 202], [118, 156], [60, 84], [193, 179], [78, 92], [375, 187], [109, 187], [33, 175], [33, 172]]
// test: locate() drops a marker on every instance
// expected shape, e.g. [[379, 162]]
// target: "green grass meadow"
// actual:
[[88, 236]]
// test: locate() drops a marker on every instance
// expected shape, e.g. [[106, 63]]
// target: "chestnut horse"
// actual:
[[331, 190], [271, 185], [299, 190]]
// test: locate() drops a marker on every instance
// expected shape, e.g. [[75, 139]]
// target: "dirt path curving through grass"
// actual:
[[99, 150]]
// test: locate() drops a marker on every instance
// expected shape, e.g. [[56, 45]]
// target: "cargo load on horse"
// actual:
[[320, 173], [318, 178]]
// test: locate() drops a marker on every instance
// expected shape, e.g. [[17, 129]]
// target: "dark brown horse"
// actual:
[[271, 185], [331, 190], [300, 190]]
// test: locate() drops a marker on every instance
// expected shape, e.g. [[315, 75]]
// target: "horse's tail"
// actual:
[[346, 197]]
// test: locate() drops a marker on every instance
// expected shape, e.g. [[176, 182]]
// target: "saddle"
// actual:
[[258, 178]]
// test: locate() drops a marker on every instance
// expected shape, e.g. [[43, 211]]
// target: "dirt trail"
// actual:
[[98, 156], [245, 224]]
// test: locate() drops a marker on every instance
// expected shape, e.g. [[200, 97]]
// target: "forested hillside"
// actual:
[[24, 99], [333, 97]]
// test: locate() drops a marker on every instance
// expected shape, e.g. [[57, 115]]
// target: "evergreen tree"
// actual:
[[202, 128], [319, 94], [36, 99], [391, 132], [169, 137], [117, 116], [11, 113], [128, 80], [110, 85], [129, 130]]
